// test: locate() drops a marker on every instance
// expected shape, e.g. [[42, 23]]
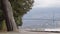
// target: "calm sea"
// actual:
[[41, 23]]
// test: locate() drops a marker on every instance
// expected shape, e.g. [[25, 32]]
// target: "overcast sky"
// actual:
[[41, 5], [46, 3], [43, 9]]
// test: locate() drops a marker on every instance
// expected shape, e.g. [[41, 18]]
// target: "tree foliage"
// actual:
[[20, 7]]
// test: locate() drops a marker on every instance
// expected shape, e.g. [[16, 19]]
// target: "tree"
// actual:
[[8, 14], [20, 7]]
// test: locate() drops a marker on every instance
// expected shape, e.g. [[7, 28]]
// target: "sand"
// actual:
[[28, 32]]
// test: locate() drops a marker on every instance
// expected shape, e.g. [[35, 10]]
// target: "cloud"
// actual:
[[47, 3]]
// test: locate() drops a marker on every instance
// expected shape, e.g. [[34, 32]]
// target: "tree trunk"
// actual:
[[7, 9]]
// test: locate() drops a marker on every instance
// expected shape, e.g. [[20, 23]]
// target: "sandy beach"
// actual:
[[28, 32]]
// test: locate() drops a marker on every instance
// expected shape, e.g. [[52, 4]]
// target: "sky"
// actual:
[[46, 3], [43, 9], [39, 9]]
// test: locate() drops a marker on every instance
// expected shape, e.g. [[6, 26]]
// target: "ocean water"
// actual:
[[44, 23], [42, 18]]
